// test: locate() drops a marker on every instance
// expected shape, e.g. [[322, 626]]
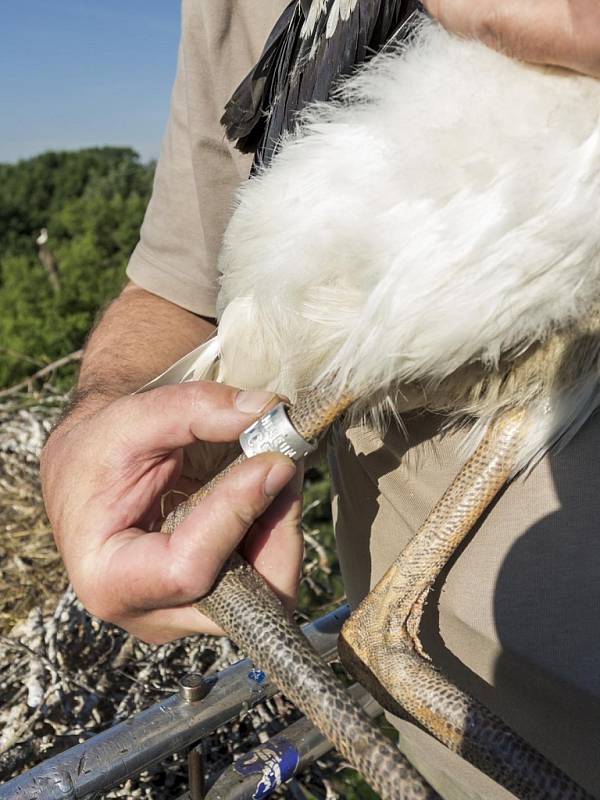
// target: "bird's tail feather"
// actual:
[[202, 364]]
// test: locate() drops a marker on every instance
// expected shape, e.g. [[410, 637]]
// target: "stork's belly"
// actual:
[[518, 610]]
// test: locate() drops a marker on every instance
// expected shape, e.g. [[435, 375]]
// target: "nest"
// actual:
[[31, 572], [65, 676]]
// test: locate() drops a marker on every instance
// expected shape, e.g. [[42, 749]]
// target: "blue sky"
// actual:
[[79, 73]]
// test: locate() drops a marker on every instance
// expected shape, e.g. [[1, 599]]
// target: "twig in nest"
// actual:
[[49, 369]]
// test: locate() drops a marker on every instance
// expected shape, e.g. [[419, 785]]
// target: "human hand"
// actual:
[[564, 33], [103, 476]]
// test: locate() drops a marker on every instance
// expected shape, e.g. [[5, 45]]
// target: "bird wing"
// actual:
[[312, 45]]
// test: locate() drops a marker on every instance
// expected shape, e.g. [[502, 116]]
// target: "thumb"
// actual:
[[164, 419], [182, 567]]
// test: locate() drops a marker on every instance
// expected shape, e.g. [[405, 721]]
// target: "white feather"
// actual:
[[317, 9], [340, 12], [202, 363], [445, 210]]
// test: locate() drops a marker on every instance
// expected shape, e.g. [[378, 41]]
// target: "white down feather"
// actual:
[[445, 209]]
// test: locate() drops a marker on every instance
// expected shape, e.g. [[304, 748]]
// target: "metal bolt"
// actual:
[[193, 687]]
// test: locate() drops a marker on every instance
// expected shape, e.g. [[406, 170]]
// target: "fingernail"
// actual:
[[279, 476], [253, 402]]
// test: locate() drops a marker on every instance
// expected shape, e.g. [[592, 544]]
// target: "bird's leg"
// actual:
[[380, 644], [311, 417], [398, 599], [243, 605]]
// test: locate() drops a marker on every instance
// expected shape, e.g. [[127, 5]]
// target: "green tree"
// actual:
[[92, 202]]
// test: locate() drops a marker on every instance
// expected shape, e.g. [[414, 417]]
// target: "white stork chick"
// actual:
[[442, 213]]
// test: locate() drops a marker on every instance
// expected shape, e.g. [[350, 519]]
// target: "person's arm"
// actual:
[[564, 33], [137, 337]]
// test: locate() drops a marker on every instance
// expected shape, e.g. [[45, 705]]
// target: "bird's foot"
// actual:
[[413, 623], [377, 637], [361, 659]]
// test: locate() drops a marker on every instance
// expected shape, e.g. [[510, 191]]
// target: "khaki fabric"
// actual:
[[198, 170], [515, 619]]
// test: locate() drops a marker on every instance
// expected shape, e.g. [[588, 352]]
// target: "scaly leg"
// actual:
[[246, 608], [380, 645]]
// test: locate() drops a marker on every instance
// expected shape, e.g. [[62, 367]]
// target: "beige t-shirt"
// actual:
[[516, 620], [199, 170]]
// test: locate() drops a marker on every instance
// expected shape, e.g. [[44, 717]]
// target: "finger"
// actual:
[[431, 6], [458, 16], [167, 624], [224, 517], [275, 548], [274, 544], [144, 571], [171, 417]]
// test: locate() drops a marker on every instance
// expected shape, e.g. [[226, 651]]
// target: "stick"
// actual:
[[41, 373]]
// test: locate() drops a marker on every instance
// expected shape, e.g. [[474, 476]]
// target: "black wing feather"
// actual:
[[245, 109], [296, 69]]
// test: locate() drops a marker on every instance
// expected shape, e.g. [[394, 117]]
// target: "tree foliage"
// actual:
[[92, 203]]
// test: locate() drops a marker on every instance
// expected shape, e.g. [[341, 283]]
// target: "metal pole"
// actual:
[[262, 770], [196, 773], [152, 735]]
